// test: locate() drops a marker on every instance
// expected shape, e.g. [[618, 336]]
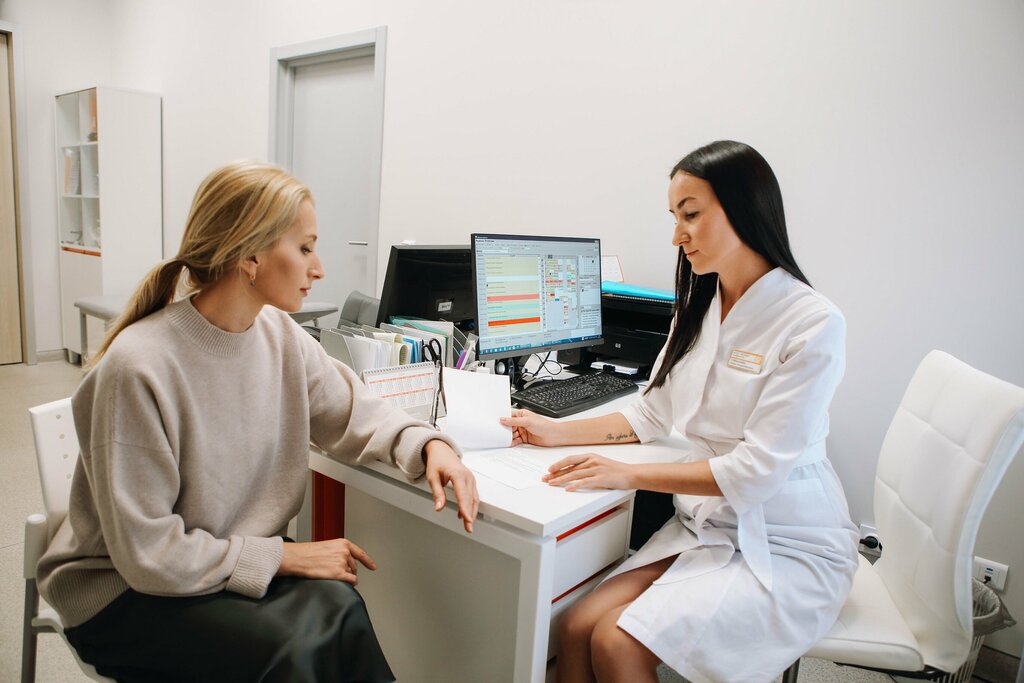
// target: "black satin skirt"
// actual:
[[302, 631]]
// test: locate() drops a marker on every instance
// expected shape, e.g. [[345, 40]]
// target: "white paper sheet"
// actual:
[[475, 402], [611, 269], [367, 353], [513, 467]]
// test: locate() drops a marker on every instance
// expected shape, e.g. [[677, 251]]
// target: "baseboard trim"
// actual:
[[51, 356]]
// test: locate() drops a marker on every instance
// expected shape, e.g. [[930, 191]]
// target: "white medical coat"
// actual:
[[764, 569]]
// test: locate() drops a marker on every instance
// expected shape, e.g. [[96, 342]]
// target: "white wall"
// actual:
[[895, 130], [66, 47]]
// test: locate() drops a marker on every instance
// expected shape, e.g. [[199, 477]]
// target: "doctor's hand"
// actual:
[[531, 428], [334, 559], [444, 467], [590, 471]]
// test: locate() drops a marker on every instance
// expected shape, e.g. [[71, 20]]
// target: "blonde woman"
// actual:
[[194, 425]]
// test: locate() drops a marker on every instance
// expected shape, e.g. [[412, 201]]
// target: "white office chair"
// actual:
[[954, 434], [56, 454]]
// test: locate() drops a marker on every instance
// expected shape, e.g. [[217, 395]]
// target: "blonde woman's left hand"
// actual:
[[444, 467], [590, 471]]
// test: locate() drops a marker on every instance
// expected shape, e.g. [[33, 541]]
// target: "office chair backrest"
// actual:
[[56, 454], [953, 436], [360, 308]]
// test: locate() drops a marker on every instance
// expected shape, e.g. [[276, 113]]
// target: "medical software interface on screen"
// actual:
[[536, 293]]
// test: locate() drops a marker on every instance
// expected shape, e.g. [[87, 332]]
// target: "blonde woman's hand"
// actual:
[[590, 471], [445, 467], [335, 559], [530, 428]]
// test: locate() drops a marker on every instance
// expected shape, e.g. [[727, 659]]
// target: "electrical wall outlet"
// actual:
[[991, 573], [870, 544]]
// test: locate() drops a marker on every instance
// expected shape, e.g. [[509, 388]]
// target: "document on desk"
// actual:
[[475, 402], [517, 468]]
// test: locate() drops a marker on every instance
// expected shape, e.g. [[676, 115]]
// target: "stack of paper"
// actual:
[[358, 352], [399, 344]]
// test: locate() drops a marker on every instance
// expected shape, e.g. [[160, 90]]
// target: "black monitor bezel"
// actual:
[[388, 296], [498, 355]]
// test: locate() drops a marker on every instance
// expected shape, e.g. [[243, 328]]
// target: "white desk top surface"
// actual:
[[543, 509]]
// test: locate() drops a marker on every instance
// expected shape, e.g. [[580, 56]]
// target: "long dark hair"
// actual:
[[749, 194]]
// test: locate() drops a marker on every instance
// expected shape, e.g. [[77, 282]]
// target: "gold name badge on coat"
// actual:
[[746, 361]]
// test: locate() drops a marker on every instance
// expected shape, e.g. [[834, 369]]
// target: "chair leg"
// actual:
[[791, 673], [29, 634]]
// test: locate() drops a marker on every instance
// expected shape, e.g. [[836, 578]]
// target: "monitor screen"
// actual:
[[430, 282], [536, 294]]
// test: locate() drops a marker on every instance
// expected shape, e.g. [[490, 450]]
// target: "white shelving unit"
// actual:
[[110, 222]]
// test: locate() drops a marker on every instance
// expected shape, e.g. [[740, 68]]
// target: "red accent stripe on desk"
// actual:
[[601, 516], [583, 582], [328, 508]]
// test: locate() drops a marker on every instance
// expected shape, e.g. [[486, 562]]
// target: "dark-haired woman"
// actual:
[[755, 565]]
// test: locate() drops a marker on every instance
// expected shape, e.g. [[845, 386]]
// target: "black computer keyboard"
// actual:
[[562, 397]]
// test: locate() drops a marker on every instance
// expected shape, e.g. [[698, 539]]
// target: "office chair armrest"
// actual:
[[35, 543]]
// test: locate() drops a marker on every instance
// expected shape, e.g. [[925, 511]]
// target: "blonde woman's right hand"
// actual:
[[531, 428], [334, 559]]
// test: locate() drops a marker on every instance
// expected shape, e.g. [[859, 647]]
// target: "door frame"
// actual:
[[321, 493], [283, 62], [23, 226]]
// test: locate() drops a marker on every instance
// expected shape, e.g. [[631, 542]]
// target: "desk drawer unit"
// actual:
[[587, 550], [583, 557]]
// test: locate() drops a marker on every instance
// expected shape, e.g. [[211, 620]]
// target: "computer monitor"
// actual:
[[536, 294], [431, 282]]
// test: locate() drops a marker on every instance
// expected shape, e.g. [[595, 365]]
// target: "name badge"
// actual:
[[746, 361]]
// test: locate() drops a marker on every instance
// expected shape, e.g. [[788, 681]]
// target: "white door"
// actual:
[[329, 135], [10, 289]]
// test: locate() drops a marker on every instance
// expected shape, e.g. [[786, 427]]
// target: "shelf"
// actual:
[[81, 248], [108, 229]]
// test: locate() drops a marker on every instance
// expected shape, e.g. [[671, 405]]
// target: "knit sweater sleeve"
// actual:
[[134, 479], [354, 426]]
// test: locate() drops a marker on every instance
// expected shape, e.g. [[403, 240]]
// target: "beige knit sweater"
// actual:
[[194, 446]]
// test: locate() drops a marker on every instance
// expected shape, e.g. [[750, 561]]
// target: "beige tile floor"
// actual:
[[24, 386]]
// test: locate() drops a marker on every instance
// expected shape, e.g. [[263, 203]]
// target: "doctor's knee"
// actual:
[[577, 623]]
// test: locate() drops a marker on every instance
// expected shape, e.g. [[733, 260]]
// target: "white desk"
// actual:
[[104, 307], [448, 606]]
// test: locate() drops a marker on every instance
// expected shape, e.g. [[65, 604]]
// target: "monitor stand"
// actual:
[[579, 369], [513, 367]]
